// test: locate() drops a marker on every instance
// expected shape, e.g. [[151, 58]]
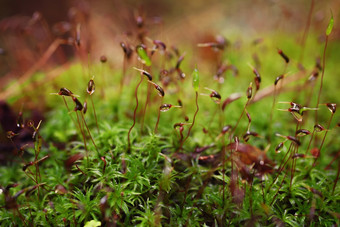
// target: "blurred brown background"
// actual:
[[28, 28]]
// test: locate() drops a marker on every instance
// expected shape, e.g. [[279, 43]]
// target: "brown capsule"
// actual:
[[297, 155], [85, 107], [318, 128], [26, 166], [159, 43], [178, 125], [257, 83], [318, 63], [216, 97], [78, 106], [20, 121], [139, 21], [250, 91], [91, 87], [165, 107], [180, 74], [295, 108], [302, 132], [179, 102], [278, 79], [278, 147], [294, 140], [103, 59], [205, 131], [225, 129], [257, 74], [248, 116], [65, 92], [248, 134], [285, 58], [127, 50], [179, 61], [186, 118], [10, 134], [163, 73], [313, 76], [30, 123], [331, 107], [158, 88], [148, 75], [219, 74]]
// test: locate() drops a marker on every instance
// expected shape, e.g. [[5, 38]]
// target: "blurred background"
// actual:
[[28, 28]]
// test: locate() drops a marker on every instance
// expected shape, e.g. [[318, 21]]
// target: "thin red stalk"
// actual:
[[134, 113], [271, 114], [323, 140], [239, 119], [83, 134], [88, 130], [148, 93], [223, 171], [282, 165], [322, 75], [295, 150], [68, 109], [310, 141], [95, 115], [80, 170], [193, 122], [335, 158], [158, 117]]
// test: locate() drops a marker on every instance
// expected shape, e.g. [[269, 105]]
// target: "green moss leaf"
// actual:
[[92, 223], [195, 79], [143, 56], [330, 26]]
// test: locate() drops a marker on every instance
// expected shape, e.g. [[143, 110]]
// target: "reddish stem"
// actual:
[[158, 117], [323, 140], [192, 125], [134, 113], [95, 115], [322, 75]]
